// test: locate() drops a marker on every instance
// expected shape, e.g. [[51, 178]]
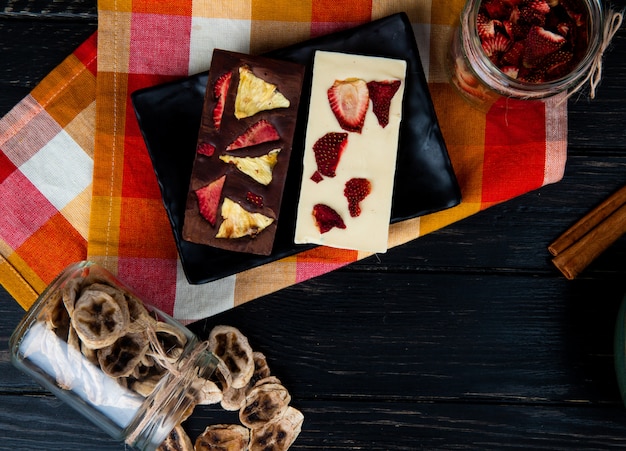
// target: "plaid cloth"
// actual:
[[77, 182]]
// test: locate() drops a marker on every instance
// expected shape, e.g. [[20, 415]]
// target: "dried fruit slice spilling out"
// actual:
[[258, 133], [534, 41], [326, 218], [355, 191], [381, 93], [223, 437], [255, 94], [278, 435], [233, 348], [239, 223], [349, 100], [209, 199], [177, 440], [259, 168], [220, 89], [327, 151]]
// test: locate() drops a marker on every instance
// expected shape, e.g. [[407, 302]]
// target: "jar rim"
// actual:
[[489, 73]]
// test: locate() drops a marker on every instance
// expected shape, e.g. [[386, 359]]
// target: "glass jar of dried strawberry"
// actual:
[[524, 49]]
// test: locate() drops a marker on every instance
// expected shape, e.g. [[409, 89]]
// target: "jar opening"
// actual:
[[508, 64]]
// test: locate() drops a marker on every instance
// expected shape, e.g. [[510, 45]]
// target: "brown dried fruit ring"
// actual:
[[171, 341], [265, 403], [233, 398], [122, 357], [278, 435], [178, 440], [230, 437], [99, 319], [230, 345]]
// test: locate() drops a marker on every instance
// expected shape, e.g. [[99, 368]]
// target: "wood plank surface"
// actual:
[[467, 338]]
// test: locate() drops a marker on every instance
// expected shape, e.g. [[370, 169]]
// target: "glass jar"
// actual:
[[130, 368], [481, 82]]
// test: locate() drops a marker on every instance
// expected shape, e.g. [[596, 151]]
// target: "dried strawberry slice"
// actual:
[[209, 199], [206, 149], [539, 44], [497, 9], [513, 56], [326, 218], [496, 46], [220, 89], [485, 26], [355, 191], [557, 64], [327, 151], [381, 93], [260, 132], [534, 12], [254, 199], [349, 100]]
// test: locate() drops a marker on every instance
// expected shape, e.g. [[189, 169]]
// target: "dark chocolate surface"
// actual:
[[287, 77], [169, 118]]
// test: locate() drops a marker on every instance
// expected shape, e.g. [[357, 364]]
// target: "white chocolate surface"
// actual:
[[370, 154]]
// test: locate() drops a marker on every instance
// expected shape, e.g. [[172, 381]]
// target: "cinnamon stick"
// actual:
[[590, 236], [588, 222]]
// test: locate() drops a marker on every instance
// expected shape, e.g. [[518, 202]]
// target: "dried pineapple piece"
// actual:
[[259, 168], [239, 222], [255, 94]]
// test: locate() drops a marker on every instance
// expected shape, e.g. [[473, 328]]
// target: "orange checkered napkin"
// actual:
[[143, 43]]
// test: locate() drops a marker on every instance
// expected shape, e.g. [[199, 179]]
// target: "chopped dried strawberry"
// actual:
[[381, 93], [510, 71], [534, 12], [575, 10], [355, 191], [220, 89], [254, 199], [539, 44], [328, 150], [349, 100], [260, 132], [206, 149], [209, 199], [317, 177], [539, 31], [485, 26], [326, 218], [496, 46], [513, 57], [531, 76], [557, 64], [497, 9]]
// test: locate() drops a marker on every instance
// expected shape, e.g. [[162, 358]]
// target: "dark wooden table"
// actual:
[[467, 338]]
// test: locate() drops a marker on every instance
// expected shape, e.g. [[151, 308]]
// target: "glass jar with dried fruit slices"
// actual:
[[131, 369], [524, 49]]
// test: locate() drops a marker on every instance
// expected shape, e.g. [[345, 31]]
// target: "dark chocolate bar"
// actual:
[[246, 134]]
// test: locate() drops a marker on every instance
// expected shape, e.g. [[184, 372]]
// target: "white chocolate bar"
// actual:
[[370, 154]]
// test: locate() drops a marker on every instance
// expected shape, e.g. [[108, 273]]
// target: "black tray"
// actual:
[[169, 118]]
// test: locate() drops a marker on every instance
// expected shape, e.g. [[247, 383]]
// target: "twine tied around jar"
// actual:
[[594, 76], [186, 367]]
